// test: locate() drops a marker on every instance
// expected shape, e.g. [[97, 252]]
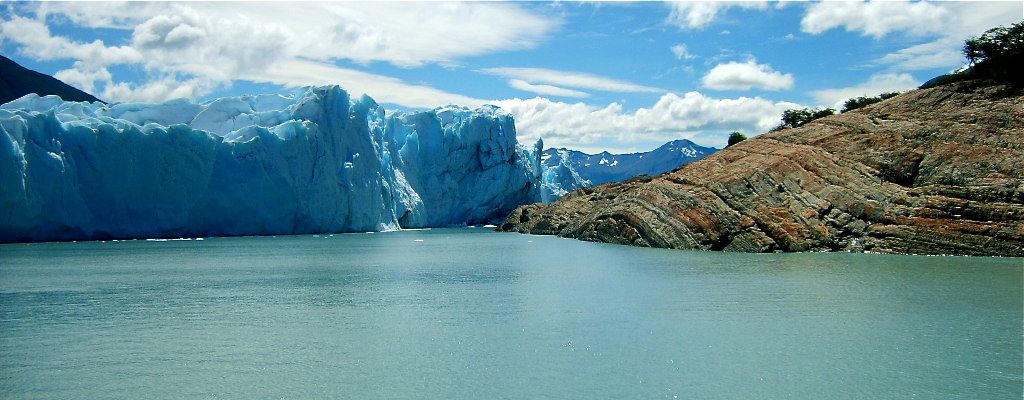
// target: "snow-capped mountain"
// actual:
[[605, 167]]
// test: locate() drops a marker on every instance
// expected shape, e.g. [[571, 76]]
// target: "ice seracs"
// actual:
[[559, 178], [465, 165], [313, 161]]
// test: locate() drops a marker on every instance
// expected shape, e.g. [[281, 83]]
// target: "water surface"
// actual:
[[470, 313]]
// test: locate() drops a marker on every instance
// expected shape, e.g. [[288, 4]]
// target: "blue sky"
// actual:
[[592, 76]]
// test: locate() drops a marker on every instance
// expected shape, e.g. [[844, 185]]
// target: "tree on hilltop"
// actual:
[[735, 137], [993, 57], [998, 53]]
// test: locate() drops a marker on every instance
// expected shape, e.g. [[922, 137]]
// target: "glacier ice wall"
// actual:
[[465, 165], [559, 177], [315, 161]]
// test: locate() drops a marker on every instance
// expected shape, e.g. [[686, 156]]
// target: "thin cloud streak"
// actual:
[[546, 89], [578, 80]]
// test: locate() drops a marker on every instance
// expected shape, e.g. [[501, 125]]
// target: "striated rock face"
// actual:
[[935, 171]]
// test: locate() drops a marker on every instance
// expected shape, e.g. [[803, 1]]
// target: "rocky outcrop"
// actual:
[[933, 171]]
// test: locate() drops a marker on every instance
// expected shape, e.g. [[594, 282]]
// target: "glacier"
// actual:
[[313, 161], [558, 175]]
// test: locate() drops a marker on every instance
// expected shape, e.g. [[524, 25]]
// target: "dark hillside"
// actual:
[[17, 81]]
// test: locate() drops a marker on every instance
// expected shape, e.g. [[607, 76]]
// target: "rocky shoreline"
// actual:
[[932, 171]]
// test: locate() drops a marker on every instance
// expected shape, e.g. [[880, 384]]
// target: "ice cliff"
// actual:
[[559, 176], [314, 161]]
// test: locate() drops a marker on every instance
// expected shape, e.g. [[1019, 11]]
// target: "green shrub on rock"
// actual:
[[795, 118], [735, 137], [864, 101]]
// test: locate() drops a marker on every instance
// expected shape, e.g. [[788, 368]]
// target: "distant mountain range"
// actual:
[[605, 167], [17, 81]]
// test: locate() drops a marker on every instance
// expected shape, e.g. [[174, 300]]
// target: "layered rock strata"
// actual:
[[934, 171]]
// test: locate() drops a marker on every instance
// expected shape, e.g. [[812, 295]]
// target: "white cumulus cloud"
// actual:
[[745, 76], [699, 14], [673, 116], [943, 25], [83, 77], [209, 44], [158, 90], [406, 34], [37, 42], [876, 18]]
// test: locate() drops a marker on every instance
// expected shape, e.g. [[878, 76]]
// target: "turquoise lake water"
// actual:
[[470, 313]]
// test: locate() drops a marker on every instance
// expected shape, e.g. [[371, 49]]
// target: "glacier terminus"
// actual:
[[314, 161]]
